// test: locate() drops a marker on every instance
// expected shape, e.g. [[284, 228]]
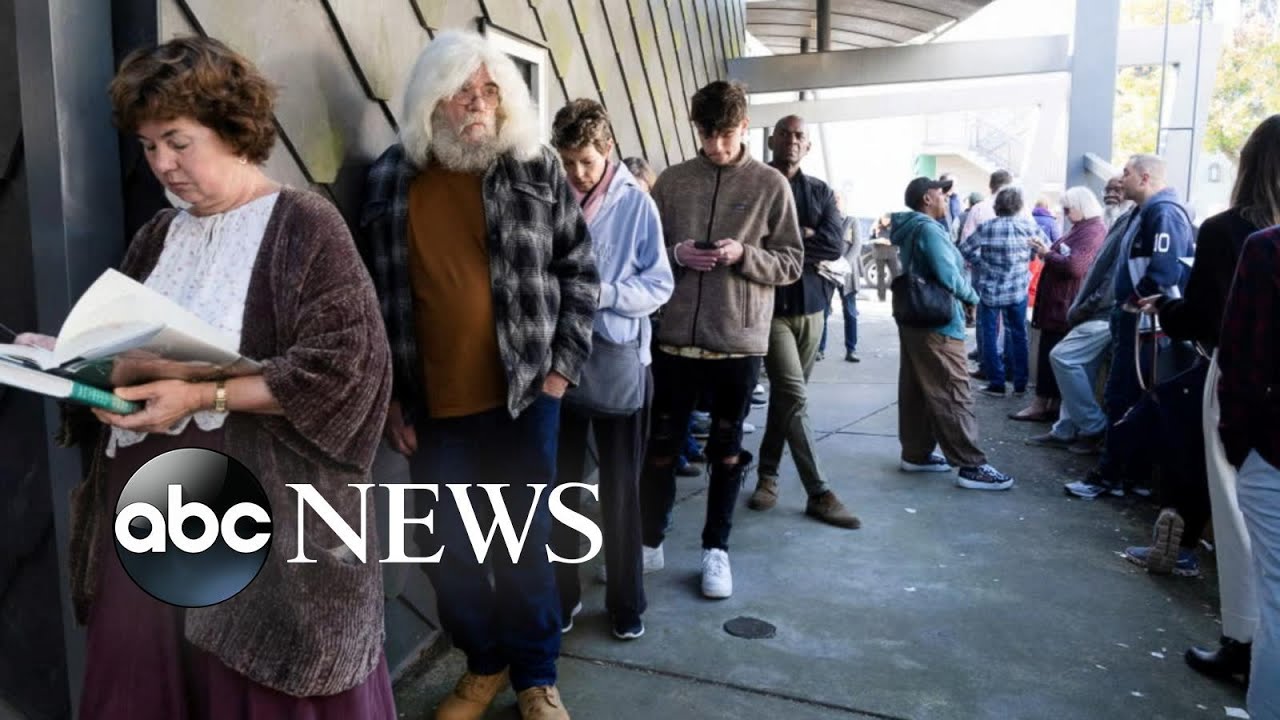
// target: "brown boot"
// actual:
[[542, 703], [471, 696], [766, 494], [828, 508]]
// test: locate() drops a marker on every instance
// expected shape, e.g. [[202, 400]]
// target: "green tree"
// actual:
[[1137, 119], [1247, 89], [1248, 85]]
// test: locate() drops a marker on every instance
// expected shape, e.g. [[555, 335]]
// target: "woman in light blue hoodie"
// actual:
[[635, 280]]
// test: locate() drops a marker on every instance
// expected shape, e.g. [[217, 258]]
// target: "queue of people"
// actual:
[[505, 301]]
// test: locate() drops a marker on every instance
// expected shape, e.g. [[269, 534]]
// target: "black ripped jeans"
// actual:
[[678, 383]]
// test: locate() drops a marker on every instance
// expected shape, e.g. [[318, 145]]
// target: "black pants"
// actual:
[[620, 443], [1046, 383], [678, 382], [1163, 431]]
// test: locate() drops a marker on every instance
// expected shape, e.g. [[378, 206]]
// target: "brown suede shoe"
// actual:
[[542, 703], [828, 508], [471, 696], [766, 494]]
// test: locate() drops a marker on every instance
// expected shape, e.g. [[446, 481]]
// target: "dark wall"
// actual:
[[33, 680]]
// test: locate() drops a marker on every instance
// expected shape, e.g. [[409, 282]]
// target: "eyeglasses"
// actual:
[[490, 94]]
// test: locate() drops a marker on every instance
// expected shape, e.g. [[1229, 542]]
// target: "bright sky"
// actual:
[[1015, 18]]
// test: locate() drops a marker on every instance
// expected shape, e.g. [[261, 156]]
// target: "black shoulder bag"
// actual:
[[918, 300]]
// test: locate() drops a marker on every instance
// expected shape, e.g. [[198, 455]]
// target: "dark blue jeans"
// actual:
[[1015, 327], [515, 620], [850, 304]]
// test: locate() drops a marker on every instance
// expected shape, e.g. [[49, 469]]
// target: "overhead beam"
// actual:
[[957, 61], [1040, 91], [903, 64]]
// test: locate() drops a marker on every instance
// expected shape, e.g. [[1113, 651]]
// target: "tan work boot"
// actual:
[[542, 703], [471, 696], [828, 508], [766, 494]]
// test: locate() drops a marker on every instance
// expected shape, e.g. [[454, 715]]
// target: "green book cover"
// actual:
[[39, 381], [93, 397]]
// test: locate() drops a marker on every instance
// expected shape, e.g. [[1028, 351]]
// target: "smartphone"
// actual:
[[704, 245]]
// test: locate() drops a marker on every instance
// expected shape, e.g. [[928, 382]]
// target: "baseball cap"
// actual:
[[917, 188]]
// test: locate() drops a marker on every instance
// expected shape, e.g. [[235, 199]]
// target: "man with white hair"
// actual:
[[1115, 204], [488, 288]]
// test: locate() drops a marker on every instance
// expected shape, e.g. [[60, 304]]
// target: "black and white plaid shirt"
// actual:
[[541, 268]]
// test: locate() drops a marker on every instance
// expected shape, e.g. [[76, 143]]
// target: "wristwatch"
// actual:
[[220, 396]]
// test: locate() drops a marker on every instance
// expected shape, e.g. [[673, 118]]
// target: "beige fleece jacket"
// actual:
[[729, 308]]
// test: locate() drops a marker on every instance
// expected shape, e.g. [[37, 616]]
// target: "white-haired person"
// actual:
[[488, 288], [1066, 260]]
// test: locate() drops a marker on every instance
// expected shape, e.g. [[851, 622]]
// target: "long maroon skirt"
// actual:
[[140, 667]]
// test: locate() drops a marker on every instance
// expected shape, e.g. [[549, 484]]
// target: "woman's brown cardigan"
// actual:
[[312, 319]]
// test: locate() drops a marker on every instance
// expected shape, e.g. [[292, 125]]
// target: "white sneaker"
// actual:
[[717, 578], [747, 428], [935, 463], [651, 558]]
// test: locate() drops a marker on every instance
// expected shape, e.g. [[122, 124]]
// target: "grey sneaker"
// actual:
[[566, 623], [1049, 440], [1088, 444]]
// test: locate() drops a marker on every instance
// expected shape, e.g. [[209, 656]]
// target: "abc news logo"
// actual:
[[193, 527]]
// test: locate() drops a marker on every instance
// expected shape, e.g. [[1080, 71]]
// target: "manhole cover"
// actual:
[[750, 628]]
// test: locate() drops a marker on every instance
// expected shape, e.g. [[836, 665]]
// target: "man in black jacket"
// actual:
[[795, 333]]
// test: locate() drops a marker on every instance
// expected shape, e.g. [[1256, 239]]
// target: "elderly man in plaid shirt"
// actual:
[[488, 287], [1000, 254]]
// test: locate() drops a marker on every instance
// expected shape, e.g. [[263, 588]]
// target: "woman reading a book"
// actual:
[[276, 268]]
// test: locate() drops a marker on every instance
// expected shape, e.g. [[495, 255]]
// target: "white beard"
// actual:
[[1111, 213], [458, 155]]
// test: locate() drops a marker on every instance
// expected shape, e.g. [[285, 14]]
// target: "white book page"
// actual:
[[19, 353], [34, 380], [116, 310]]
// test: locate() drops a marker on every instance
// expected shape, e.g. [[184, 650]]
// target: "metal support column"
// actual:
[[73, 179], [824, 25], [1093, 86]]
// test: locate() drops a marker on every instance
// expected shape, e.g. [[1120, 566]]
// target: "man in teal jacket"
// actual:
[[935, 404]]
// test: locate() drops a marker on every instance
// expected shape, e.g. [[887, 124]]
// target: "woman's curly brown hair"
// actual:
[[199, 78], [580, 122]]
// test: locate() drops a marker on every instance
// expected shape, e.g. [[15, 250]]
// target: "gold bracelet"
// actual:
[[220, 396]]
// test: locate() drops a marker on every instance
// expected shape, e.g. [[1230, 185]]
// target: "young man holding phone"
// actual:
[[730, 225]]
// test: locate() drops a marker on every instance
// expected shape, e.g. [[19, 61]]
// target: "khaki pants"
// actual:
[[935, 404], [793, 345]]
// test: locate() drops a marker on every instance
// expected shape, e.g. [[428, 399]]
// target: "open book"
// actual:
[[121, 333]]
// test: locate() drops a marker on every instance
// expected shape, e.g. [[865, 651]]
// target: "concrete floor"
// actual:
[[948, 603]]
